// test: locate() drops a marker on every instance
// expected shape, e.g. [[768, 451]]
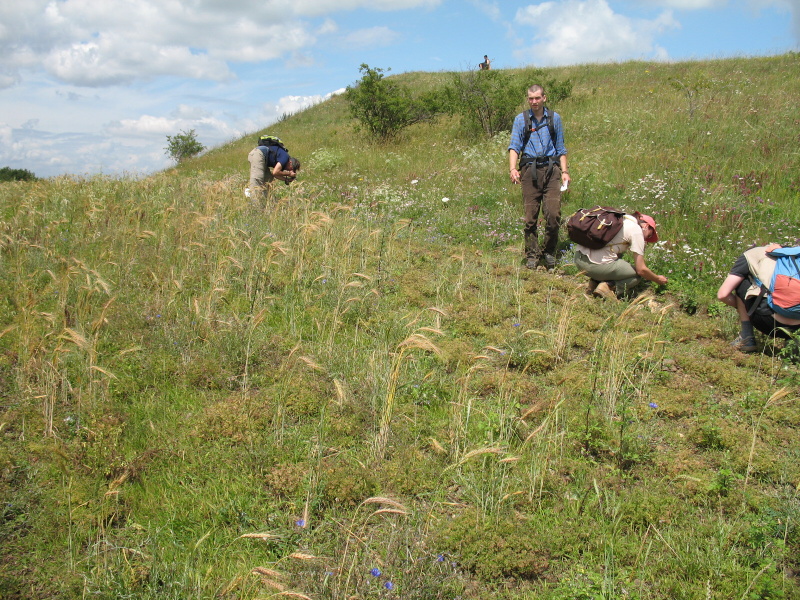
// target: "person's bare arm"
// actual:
[[642, 270]]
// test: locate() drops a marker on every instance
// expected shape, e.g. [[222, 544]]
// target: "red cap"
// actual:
[[650, 221]]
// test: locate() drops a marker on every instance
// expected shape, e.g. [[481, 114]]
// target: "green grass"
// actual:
[[206, 399]]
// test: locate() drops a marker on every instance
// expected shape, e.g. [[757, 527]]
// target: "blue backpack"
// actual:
[[783, 289]]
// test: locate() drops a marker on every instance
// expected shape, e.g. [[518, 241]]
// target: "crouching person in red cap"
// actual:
[[612, 277]]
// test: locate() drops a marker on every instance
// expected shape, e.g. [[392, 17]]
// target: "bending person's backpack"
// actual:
[[271, 140], [594, 228], [780, 284]]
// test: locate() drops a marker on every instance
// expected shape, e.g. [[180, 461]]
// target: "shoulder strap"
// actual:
[[551, 126], [527, 133], [548, 114]]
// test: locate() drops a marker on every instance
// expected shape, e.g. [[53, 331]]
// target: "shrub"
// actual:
[[493, 552], [9, 174], [488, 101], [183, 145], [384, 108]]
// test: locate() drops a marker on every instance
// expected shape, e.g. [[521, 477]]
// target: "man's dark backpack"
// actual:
[[271, 140], [273, 143], [594, 228]]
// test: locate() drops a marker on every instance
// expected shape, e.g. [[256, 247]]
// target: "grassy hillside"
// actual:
[[357, 391]]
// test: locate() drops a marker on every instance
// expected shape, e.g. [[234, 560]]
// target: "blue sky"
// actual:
[[95, 86]]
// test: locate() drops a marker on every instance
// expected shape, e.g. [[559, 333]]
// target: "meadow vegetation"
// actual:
[[358, 391]]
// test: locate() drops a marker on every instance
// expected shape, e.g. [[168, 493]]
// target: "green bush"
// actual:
[[488, 101], [183, 145], [9, 174], [493, 552], [384, 108]]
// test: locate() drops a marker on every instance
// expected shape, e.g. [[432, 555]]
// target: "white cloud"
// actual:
[[684, 4], [371, 38], [321, 7], [5, 135], [112, 61], [108, 42], [289, 105], [579, 31]]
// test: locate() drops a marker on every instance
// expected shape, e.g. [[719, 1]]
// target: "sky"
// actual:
[[93, 87]]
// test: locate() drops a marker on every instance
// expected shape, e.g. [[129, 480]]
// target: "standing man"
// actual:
[[537, 142], [270, 160]]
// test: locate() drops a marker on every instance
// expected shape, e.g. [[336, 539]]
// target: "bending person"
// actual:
[[269, 162], [610, 275], [739, 292]]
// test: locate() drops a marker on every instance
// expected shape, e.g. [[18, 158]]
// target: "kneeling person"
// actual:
[[739, 292], [612, 276]]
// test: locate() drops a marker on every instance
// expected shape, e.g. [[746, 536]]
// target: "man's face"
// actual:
[[536, 99]]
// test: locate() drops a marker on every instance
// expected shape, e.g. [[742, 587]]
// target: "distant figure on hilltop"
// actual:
[[270, 160], [486, 64]]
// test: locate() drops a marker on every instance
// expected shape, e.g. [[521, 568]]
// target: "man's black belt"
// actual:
[[540, 162]]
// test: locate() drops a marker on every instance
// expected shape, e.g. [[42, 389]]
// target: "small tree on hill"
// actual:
[[183, 145], [488, 101], [9, 174], [384, 108]]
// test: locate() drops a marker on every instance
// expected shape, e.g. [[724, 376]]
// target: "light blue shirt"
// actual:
[[539, 143]]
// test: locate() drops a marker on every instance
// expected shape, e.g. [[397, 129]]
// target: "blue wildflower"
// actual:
[[440, 558], [300, 522], [375, 572], [388, 585], [653, 405]]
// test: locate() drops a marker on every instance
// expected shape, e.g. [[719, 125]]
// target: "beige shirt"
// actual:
[[630, 237]]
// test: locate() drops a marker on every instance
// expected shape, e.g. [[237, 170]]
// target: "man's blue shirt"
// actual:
[[275, 155], [539, 143]]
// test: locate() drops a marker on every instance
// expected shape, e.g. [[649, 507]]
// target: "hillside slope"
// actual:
[[357, 391]]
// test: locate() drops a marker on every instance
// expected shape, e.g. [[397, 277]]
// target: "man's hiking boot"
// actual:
[[603, 290], [592, 286], [549, 262], [744, 344]]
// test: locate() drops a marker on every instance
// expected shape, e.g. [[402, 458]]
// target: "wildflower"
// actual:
[[653, 405], [414, 181], [440, 558], [300, 522], [388, 585], [376, 572], [445, 200]]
